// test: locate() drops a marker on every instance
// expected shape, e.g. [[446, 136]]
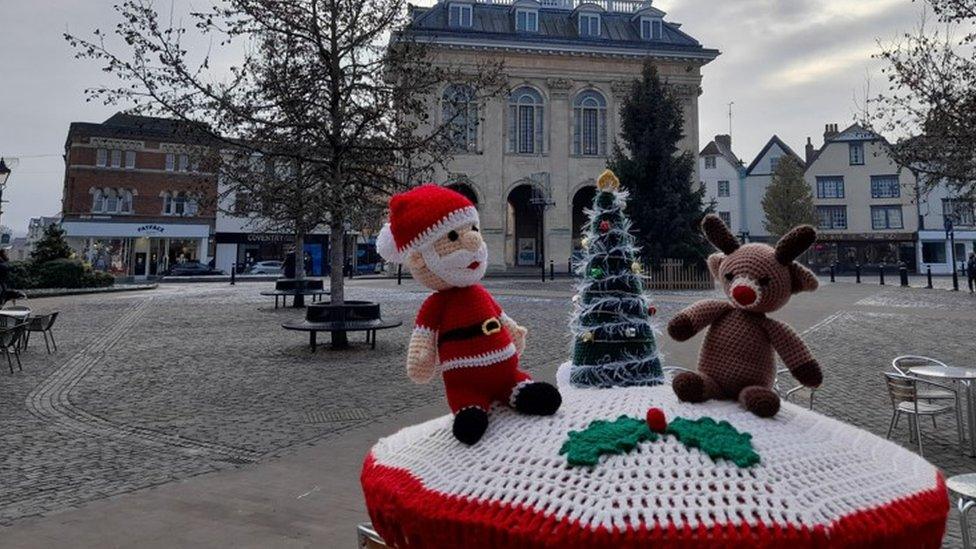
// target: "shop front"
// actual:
[[870, 250], [936, 252], [240, 251], [138, 250]]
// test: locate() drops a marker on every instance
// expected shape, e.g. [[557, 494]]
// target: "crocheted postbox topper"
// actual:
[[818, 483]]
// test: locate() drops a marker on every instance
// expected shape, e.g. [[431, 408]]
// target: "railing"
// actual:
[[673, 274], [619, 6]]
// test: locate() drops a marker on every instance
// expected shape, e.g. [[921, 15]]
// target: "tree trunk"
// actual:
[[337, 263], [299, 299]]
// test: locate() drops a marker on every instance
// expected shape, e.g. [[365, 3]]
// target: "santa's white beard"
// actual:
[[454, 268]]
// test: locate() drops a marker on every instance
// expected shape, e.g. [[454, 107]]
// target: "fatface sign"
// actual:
[[151, 230]]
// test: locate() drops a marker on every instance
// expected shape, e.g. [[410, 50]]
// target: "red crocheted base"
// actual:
[[408, 515]]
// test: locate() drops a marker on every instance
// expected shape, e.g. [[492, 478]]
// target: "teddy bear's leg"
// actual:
[[762, 401], [534, 398], [470, 405], [694, 387], [470, 424]]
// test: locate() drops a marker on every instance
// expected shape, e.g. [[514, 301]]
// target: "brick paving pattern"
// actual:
[[152, 387]]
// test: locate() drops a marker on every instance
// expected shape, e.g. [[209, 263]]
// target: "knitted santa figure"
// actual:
[[460, 327]]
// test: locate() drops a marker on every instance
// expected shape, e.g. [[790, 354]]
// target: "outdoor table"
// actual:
[[819, 482], [966, 376], [18, 313]]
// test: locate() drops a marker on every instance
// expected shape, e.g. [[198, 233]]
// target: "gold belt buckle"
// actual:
[[491, 326]]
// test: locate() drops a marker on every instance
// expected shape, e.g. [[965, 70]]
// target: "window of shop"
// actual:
[[109, 255], [116, 158], [179, 204], [933, 252], [709, 162], [856, 154], [101, 158], [886, 217], [111, 201], [170, 162], [885, 186], [130, 160], [830, 186], [832, 217], [723, 189]]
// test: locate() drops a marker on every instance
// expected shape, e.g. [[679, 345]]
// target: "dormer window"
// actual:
[[526, 20], [651, 29], [460, 15], [589, 24]]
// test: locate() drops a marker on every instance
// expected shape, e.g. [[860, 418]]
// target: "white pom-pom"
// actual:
[[386, 245]]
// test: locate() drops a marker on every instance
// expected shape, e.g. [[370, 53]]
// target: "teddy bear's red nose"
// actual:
[[744, 295]]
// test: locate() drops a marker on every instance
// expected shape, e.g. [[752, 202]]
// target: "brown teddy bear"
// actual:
[[736, 360]]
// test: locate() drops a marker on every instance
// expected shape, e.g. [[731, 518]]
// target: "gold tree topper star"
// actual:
[[608, 181]]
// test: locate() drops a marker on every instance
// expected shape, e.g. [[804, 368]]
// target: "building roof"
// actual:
[[715, 148], [130, 126], [493, 25], [853, 133], [774, 140]]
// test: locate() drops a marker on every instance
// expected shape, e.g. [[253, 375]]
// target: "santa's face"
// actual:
[[456, 260]]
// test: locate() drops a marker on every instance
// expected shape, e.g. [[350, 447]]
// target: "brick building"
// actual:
[[139, 195]]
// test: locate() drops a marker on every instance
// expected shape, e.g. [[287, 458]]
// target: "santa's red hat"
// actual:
[[421, 216]]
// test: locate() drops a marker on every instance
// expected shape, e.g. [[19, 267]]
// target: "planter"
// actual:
[[290, 284], [350, 311]]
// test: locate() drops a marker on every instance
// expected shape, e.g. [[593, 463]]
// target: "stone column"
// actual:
[[557, 221]]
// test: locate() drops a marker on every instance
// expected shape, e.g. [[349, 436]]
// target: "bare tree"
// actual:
[[931, 97], [331, 91]]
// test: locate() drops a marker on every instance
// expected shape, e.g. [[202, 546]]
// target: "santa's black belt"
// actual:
[[488, 327]]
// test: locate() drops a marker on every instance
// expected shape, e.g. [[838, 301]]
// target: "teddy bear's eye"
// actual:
[[452, 236], [764, 281], [729, 277]]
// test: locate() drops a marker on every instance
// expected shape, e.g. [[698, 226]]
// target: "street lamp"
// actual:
[[4, 174], [542, 199]]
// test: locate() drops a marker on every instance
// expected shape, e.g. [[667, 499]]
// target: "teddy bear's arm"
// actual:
[[422, 356], [694, 319], [517, 332], [794, 352]]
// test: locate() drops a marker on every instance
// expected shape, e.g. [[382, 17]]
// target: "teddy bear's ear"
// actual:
[[803, 279], [714, 263]]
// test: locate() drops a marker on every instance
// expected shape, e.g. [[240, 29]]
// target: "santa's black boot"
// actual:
[[470, 424], [537, 398]]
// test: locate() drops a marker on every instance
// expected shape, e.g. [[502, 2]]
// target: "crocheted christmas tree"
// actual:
[[614, 339]]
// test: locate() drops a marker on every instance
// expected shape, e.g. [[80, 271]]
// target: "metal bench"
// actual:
[[284, 294], [368, 326]]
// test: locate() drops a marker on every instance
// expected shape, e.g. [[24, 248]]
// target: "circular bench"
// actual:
[[368, 326]]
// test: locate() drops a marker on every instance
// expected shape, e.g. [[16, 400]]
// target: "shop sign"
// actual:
[[151, 230], [269, 237]]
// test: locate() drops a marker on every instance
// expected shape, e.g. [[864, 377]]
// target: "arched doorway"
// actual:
[[523, 231], [466, 190], [582, 200]]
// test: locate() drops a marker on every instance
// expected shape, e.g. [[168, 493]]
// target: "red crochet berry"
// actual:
[[604, 226], [652, 310], [656, 420]]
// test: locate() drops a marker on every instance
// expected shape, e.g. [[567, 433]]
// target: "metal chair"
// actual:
[[904, 391], [10, 343], [904, 364], [787, 394], [964, 486], [367, 538], [43, 325]]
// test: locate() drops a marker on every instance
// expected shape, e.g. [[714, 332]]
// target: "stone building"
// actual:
[[866, 203], [138, 195], [530, 159], [935, 250]]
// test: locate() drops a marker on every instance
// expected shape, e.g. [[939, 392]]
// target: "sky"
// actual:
[[789, 66]]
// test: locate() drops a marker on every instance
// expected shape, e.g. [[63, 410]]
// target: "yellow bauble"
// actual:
[[636, 267], [608, 181], [585, 242], [587, 336]]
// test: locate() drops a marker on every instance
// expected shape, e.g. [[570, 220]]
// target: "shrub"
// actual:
[[60, 273], [97, 279], [21, 275]]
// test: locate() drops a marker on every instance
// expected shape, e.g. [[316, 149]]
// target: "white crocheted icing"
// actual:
[[484, 359], [813, 471]]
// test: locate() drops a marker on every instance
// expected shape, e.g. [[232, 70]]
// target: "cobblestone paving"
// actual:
[[152, 387]]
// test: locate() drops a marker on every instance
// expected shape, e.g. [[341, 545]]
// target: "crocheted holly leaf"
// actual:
[[717, 439], [605, 437]]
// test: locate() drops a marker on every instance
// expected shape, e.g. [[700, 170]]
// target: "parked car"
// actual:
[[267, 267], [192, 268]]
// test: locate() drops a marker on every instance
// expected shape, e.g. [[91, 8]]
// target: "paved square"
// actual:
[[150, 388]]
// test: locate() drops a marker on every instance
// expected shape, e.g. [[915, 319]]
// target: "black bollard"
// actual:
[[857, 272], [833, 273], [399, 274], [881, 274], [928, 275], [903, 273], [569, 266], [552, 270], [542, 269], [233, 274]]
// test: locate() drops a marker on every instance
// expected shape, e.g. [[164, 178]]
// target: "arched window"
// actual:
[[460, 108], [526, 120], [590, 128], [111, 201], [98, 201], [192, 205], [125, 202]]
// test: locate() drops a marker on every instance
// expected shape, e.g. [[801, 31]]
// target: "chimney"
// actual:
[[724, 141], [830, 132], [811, 150]]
